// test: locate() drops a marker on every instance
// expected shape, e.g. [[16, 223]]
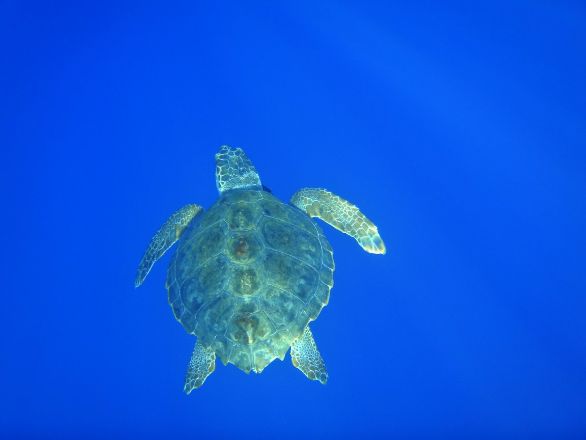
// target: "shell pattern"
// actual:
[[248, 276]]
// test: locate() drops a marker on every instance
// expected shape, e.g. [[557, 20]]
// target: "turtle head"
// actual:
[[234, 170]]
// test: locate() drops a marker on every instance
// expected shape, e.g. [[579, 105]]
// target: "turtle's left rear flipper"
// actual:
[[164, 239], [201, 365]]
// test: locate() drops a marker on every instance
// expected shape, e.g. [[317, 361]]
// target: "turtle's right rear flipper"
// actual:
[[306, 357], [164, 239]]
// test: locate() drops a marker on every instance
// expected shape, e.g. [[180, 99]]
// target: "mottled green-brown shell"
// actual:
[[248, 276]]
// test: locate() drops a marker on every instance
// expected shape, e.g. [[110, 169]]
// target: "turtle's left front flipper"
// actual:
[[164, 239], [342, 215]]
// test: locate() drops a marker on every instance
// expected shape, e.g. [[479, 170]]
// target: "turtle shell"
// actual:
[[248, 276]]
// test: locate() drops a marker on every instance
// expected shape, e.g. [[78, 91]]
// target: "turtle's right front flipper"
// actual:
[[164, 239], [342, 215]]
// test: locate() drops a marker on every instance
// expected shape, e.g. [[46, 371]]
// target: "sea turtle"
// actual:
[[250, 274]]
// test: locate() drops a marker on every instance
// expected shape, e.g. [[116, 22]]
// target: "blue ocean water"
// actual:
[[457, 127]]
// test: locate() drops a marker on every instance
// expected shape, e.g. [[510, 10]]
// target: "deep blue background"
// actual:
[[458, 128]]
